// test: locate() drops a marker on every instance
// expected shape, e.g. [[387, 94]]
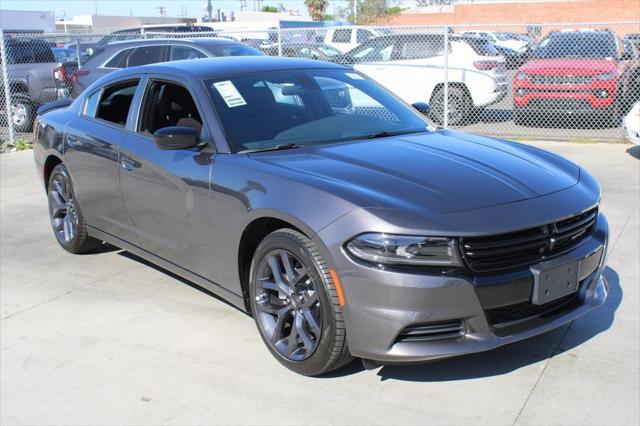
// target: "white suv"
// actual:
[[346, 38], [413, 67], [501, 39]]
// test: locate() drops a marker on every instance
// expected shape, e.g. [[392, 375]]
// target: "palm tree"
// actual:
[[316, 8]]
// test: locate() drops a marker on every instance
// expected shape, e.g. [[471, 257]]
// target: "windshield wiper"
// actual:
[[385, 133], [279, 147]]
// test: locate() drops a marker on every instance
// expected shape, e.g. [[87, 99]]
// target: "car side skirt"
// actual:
[[228, 296]]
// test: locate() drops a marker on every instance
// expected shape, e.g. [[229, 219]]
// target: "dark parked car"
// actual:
[[149, 31], [142, 52], [31, 79], [306, 194]]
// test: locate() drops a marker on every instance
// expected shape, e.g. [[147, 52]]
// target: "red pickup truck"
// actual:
[[585, 73]]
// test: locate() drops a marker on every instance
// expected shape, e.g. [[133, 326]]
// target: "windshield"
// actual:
[[577, 45], [307, 107]]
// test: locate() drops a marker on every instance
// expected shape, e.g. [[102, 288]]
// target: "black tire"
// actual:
[[460, 105], [65, 214], [330, 351], [22, 113]]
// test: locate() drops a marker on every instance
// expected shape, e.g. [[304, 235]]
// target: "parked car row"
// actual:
[[568, 73]]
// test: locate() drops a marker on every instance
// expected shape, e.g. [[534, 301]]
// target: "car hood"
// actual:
[[442, 171], [569, 66]]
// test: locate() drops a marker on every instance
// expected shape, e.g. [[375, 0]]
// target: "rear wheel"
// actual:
[[460, 105], [295, 304], [67, 221]]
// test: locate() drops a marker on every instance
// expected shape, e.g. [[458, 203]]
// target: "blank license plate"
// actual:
[[553, 282]]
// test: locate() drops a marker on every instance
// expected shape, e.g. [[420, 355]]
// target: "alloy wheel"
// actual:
[[288, 305], [19, 114], [62, 209], [455, 107]]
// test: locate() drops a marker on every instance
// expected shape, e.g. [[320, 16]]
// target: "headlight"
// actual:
[[405, 250], [607, 76], [522, 76]]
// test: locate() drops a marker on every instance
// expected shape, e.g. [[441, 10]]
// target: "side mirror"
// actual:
[[422, 107], [176, 137]]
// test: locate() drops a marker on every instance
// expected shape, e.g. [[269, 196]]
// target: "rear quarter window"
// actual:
[[119, 60]]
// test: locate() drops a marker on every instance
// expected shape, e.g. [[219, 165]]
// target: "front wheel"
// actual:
[[67, 220], [22, 113], [295, 304]]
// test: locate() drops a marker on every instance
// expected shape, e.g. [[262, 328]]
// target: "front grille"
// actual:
[[431, 331], [524, 310], [561, 79], [529, 246]]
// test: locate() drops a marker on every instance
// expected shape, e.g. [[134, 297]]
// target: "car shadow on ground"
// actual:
[[634, 151], [508, 358], [491, 115]]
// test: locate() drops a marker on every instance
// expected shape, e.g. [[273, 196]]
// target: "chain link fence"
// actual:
[[547, 81]]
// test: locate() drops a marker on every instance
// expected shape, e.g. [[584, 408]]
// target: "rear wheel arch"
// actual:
[[49, 164]]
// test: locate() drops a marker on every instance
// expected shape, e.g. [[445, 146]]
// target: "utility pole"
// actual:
[[355, 12], [163, 10]]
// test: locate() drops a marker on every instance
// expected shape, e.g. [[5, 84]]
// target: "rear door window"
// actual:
[[178, 53], [342, 36], [115, 102], [145, 55], [119, 61], [362, 36]]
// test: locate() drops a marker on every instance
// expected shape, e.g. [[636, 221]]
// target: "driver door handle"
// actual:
[[128, 164]]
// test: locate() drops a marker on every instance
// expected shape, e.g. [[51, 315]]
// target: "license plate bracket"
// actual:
[[552, 281]]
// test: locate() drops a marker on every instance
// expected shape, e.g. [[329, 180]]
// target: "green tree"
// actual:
[[271, 9], [316, 8]]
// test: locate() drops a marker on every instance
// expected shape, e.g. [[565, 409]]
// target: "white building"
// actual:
[[23, 20]]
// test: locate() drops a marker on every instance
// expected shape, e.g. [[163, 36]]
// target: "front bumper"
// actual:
[[381, 304]]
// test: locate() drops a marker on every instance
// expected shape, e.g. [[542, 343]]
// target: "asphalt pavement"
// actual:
[[108, 339]]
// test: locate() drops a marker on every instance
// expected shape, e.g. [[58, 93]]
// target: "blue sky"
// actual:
[[143, 7]]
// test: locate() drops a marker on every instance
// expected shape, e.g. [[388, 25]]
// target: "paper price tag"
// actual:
[[229, 94]]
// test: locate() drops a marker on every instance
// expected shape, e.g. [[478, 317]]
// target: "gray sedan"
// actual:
[[307, 195]]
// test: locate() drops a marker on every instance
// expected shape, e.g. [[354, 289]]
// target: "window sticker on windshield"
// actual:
[[229, 93], [354, 76]]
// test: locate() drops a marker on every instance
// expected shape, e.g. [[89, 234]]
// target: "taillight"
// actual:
[[486, 65], [60, 74], [77, 73]]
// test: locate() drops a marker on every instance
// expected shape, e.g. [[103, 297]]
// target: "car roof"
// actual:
[[199, 41], [404, 36], [206, 68]]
